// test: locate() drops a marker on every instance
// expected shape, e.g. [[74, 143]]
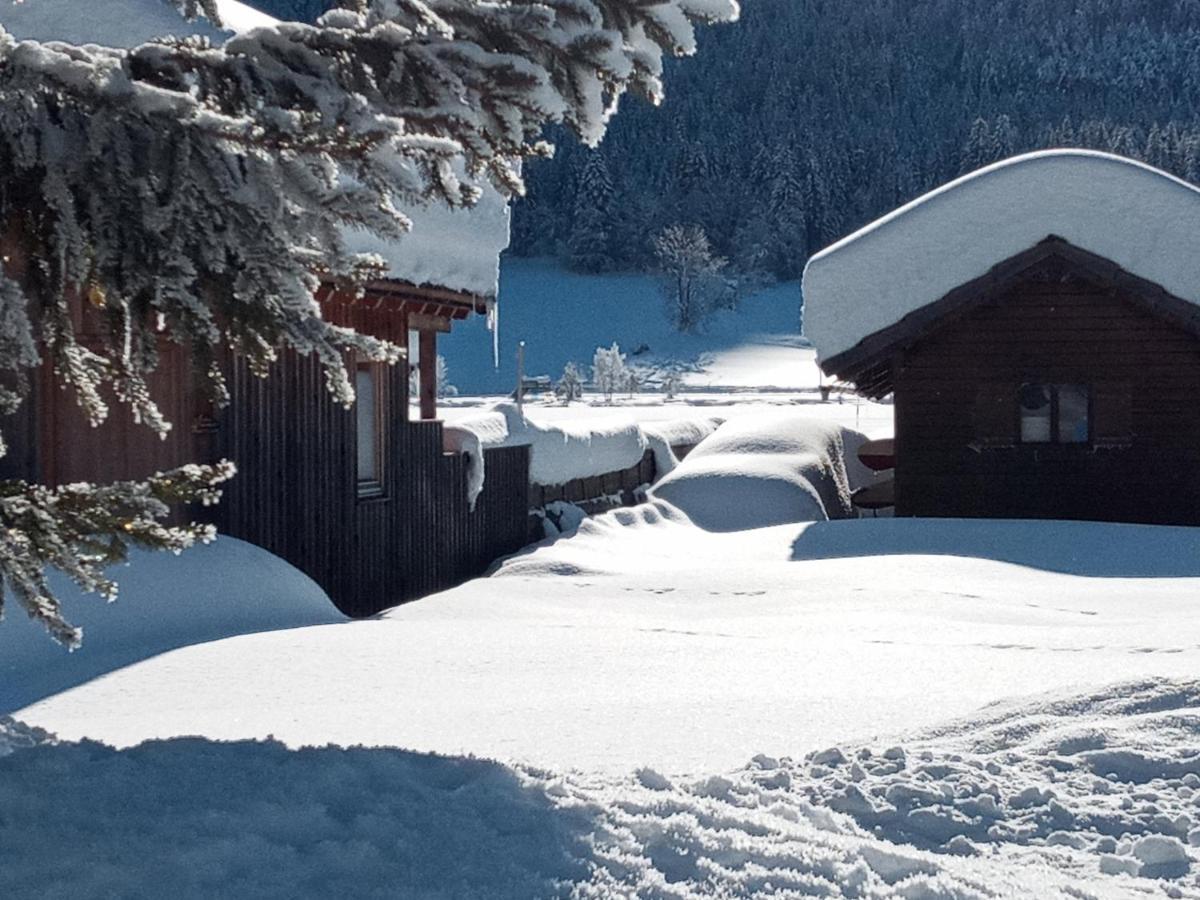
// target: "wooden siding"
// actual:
[[957, 418], [51, 440], [296, 493]]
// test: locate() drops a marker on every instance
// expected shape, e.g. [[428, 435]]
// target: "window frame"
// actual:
[[371, 488], [1053, 387]]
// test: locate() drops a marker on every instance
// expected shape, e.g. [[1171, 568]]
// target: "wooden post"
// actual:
[[521, 376], [428, 368]]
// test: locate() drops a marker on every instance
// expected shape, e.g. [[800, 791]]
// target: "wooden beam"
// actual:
[[424, 322], [428, 368]]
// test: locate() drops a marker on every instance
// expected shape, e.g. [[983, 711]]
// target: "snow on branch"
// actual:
[[80, 529]]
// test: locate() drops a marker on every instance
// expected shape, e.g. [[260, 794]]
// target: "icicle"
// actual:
[[493, 324]]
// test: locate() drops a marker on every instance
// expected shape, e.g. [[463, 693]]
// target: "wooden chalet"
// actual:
[[1037, 324], [365, 501]]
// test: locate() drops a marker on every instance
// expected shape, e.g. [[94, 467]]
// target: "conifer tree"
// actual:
[[590, 244]]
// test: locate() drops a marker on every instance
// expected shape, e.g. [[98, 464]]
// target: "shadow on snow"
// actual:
[[1091, 549]]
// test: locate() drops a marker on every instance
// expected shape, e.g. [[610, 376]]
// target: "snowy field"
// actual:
[[645, 708], [804, 710], [644, 640]]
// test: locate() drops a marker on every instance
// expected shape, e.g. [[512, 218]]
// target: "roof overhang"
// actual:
[[869, 363], [1137, 218]]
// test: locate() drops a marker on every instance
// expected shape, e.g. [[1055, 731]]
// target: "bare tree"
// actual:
[[691, 274]]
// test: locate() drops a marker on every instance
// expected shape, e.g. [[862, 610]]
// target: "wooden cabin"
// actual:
[[365, 500], [1038, 327]]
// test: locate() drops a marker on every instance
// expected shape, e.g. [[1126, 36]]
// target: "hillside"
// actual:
[[809, 118], [563, 317]]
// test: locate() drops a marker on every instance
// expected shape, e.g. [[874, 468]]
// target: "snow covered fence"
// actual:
[[564, 453]]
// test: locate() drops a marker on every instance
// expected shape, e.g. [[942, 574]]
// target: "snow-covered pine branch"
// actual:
[[80, 529], [201, 193]]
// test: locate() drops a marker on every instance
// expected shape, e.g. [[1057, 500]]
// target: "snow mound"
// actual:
[[120, 23], [663, 437], [601, 545], [226, 588], [927, 818], [1142, 219], [756, 472]]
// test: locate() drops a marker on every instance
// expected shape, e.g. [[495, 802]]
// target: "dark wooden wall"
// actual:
[[957, 418], [50, 439], [296, 491]]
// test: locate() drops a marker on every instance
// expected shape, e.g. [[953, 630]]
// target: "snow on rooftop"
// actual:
[[119, 23], [456, 249], [1142, 219]]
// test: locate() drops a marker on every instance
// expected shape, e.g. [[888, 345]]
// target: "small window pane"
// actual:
[[1072, 414], [366, 412], [1035, 413]]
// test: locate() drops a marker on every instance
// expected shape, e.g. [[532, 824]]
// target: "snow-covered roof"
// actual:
[[458, 250], [1142, 219], [119, 23]]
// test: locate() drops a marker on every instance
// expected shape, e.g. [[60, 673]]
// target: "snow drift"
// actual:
[[762, 471], [1067, 796], [1142, 219], [226, 588]]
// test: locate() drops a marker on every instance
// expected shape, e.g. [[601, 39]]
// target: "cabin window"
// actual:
[[414, 363], [368, 410], [1055, 413]]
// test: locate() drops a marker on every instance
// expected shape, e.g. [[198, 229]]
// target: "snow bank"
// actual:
[[1010, 803], [119, 23], [567, 450], [644, 640], [760, 471], [1144, 220], [225, 588]]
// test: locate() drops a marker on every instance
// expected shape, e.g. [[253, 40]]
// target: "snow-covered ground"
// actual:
[[677, 713], [1089, 795], [644, 640], [209, 592], [856, 708]]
